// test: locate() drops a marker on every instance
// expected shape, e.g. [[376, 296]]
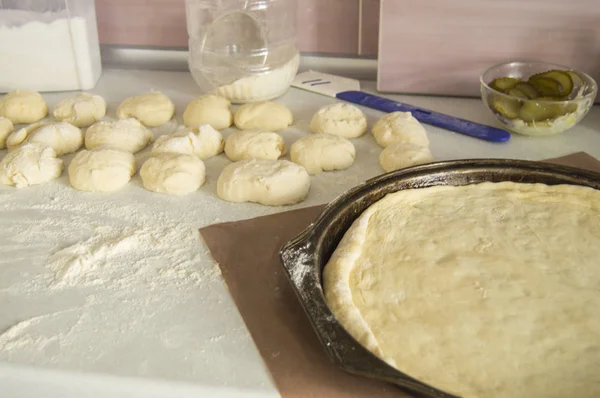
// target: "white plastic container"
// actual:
[[243, 50], [48, 45]]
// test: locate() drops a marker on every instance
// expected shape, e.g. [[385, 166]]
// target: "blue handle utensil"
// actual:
[[349, 90]]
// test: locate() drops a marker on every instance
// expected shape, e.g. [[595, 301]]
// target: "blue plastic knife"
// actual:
[[349, 90]]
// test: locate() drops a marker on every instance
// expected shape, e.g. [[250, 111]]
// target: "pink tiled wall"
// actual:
[[324, 26]]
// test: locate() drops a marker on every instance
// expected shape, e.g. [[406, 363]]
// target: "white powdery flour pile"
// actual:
[[87, 279]]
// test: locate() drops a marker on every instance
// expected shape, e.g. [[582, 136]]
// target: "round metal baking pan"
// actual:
[[305, 256]]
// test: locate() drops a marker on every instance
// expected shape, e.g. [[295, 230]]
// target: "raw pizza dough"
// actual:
[[399, 127], [102, 170], [81, 110], [204, 142], [268, 182], [6, 129], [64, 138], [487, 291], [400, 155], [173, 173], [323, 152], [208, 109], [152, 109], [30, 164], [340, 119], [254, 144], [23, 106], [128, 135], [266, 116]]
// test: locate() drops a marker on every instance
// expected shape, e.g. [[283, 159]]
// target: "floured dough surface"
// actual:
[[340, 119], [487, 290], [399, 127], [30, 164], [266, 116], [63, 137], [264, 181], [254, 145], [81, 110], [128, 135], [400, 155], [152, 109], [204, 142], [23, 106], [208, 109]]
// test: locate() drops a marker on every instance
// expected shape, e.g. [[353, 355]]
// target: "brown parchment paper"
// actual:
[[248, 255]]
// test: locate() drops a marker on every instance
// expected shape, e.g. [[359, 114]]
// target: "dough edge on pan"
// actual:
[[339, 269]]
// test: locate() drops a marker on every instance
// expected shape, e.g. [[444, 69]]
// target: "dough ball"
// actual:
[[173, 173], [323, 152], [102, 170], [254, 144], [6, 129], [268, 182], [23, 106], [64, 138], [266, 116], [208, 109], [399, 127], [152, 109], [205, 142], [128, 135], [30, 164], [340, 119], [400, 155], [81, 110]]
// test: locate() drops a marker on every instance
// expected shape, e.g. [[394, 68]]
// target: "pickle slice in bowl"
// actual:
[[527, 89], [507, 107], [561, 77], [504, 84], [546, 108]]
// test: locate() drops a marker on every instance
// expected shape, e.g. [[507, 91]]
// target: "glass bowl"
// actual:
[[549, 116]]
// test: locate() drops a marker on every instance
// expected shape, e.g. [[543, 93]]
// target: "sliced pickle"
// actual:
[[507, 107], [527, 89], [504, 83], [533, 111], [515, 92], [546, 87], [576, 78], [563, 79]]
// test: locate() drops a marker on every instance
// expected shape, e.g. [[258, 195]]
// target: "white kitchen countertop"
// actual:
[[178, 335]]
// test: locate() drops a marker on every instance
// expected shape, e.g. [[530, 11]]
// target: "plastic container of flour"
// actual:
[[48, 45], [243, 50]]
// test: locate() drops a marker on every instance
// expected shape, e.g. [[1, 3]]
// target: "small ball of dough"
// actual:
[[266, 116], [102, 170], [64, 138], [208, 109], [205, 143], [323, 152], [152, 109], [173, 173], [400, 155], [254, 144], [268, 182], [340, 119], [6, 129], [23, 106], [81, 110], [399, 127], [128, 135], [30, 164]]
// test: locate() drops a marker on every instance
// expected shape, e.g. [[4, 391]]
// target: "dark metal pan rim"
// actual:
[[304, 256]]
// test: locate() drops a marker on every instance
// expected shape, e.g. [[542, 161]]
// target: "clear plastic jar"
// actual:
[[243, 50]]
